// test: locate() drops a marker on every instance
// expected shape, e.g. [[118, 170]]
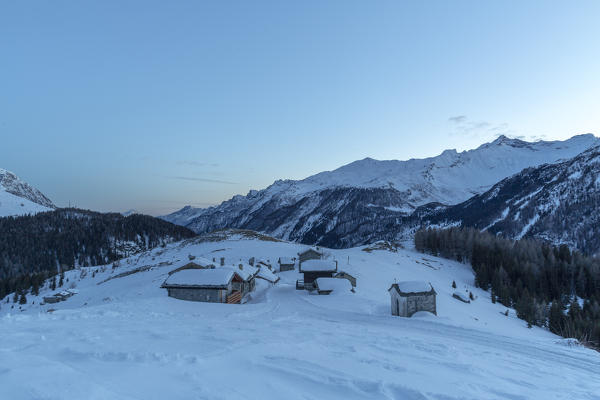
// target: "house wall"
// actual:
[[309, 277], [205, 295], [398, 304], [244, 286], [406, 306], [286, 267]]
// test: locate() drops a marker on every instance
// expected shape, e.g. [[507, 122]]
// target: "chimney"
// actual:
[[241, 266], [222, 261], [251, 261]]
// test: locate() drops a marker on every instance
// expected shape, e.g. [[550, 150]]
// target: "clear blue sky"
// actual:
[[112, 105]]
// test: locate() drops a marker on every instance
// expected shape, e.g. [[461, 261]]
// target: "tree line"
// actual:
[[544, 283], [36, 247]]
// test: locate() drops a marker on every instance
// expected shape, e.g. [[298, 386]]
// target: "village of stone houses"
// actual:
[[238, 314]]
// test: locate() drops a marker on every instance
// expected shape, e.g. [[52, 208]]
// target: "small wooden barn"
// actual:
[[313, 269], [286, 264], [410, 297], [328, 285], [264, 263], [461, 296], [267, 275], [345, 275], [310, 254], [60, 296], [207, 285], [201, 263], [248, 274]]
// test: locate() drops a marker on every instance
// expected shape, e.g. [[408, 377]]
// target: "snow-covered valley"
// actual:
[[123, 338]]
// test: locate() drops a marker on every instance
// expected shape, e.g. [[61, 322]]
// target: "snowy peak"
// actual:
[[552, 202], [462, 173], [18, 197], [339, 208]]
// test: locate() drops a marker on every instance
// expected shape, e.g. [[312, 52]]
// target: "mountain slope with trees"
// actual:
[[539, 280], [36, 247]]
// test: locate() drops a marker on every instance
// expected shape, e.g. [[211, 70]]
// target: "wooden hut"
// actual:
[[207, 285], [410, 297], [267, 275], [201, 263], [248, 274], [313, 269], [328, 285], [310, 254], [264, 263], [60, 296], [286, 264]]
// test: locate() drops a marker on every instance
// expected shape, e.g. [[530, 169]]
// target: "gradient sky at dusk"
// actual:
[[112, 105]]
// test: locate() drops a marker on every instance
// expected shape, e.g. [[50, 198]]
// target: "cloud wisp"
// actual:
[[196, 179], [462, 126], [465, 127], [196, 163]]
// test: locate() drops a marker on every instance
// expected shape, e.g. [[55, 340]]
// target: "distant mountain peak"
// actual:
[[18, 197]]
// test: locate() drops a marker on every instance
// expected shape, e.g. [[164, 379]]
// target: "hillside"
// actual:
[[19, 198], [362, 201], [36, 246], [123, 338], [555, 203]]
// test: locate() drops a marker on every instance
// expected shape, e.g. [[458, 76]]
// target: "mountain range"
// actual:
[[545, 189], [369, 200]]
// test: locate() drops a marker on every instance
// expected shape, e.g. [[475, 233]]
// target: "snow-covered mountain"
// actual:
[[18, 197], [555, 202], [355, 203], [121, 337]]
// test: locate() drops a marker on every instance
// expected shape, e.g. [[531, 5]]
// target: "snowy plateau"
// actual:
[[121, 337]]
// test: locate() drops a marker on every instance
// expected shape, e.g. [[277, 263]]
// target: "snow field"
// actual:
[[125, 339]]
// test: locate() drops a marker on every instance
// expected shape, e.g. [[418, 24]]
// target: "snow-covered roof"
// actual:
[[267, 275], [461, 296], [286, 261], [203, 261], [413, 287], [335, 284], [201, 277], [247, 271], [311, 249], [318, 265]]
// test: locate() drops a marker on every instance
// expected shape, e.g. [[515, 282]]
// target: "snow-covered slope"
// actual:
[[332, 208], [19, 198], [121, 337], [555, 202]]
